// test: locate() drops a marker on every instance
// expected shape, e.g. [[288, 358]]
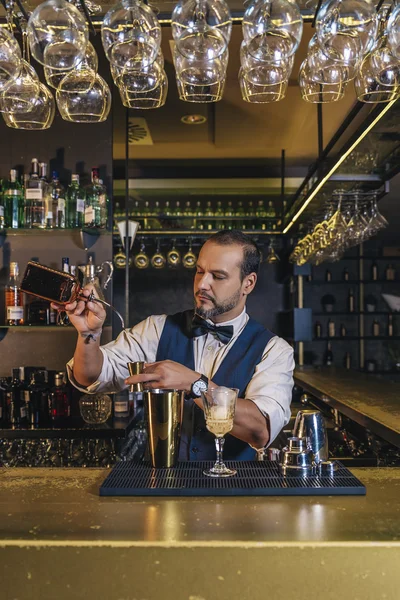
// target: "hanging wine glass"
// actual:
[[322, 69], [23, 92], [217, 13], [144, 80], [131, 35], [78, 105], [374, 85], [200, 40], [346, 29], [261, 93], [58, 34], [10, 59], [141, 260], [262, 72], [158, 259], [40, 117], [319, 93], [146, 99], [89, 62], [272, 29], [393, 32]]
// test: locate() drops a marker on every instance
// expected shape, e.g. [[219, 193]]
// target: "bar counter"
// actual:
[[60, 540], [366, 399]]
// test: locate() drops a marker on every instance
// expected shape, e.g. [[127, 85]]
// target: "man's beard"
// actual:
[[218, 309]]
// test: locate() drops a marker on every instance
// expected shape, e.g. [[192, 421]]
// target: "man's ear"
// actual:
[[249, 283]]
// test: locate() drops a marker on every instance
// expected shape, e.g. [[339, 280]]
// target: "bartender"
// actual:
[[217, 343]]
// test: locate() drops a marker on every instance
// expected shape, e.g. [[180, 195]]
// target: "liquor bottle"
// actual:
[[390, 273], [346, 276], [167, 209], [75, 206], [121, 405], [47, 198], [219, 212], [261, 210], [328, 356], [318, 329], [250, 209], [343, 331], [209, 213], [58, 202], [351, 302], [375, 328], [15, 402], [13, 298], [59, 401], [390, 325], [328, 275], [271, 212], [65, 269], [331, 328], [13, 202], [35, 203], [2, 222], [347, 360], [188, 210], [240, 212], [96, 203], [374, 272], [229, 212], [198, 210], [3, 402], [38, 409]]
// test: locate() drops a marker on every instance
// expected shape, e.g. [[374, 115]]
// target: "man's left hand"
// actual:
[[165, 374]]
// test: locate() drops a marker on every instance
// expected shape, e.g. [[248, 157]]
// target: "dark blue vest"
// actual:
[[236, 370]]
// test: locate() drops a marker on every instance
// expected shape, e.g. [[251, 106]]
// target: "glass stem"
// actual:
[[219, 445]]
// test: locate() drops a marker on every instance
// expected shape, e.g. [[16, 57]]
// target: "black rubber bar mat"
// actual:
[[252, 479]]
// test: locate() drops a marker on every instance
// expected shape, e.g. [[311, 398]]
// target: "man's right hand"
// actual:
[[86, 317]]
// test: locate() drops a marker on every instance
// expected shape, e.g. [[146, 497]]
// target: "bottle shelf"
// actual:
[[198, 218], [195, 232], [65, 231]]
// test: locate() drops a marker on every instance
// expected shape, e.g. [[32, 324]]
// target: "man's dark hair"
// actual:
[[251, 253]]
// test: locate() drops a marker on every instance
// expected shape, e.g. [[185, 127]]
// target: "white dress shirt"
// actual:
[[270, 387]]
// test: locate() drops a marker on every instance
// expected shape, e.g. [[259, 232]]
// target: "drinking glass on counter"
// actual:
[[219, 409]]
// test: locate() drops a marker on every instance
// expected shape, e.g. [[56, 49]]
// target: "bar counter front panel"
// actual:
[[59, 539]]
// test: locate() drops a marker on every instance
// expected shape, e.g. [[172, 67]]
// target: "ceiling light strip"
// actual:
[[338, 163]]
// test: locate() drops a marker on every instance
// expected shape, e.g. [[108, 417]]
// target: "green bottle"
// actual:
[[96, 203], [13, 202], [75, 203]]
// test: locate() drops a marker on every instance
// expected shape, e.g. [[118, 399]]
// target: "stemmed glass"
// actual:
[[219, 408]]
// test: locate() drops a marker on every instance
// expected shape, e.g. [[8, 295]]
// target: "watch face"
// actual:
[[199, 386]]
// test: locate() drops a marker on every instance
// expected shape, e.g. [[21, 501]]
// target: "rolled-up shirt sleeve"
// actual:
[[272, 383], [139, 343]]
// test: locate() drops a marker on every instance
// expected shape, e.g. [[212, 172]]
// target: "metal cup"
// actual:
[[136, 368], [310, 424], [163, 415]]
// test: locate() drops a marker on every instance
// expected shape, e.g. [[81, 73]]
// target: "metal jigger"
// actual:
[[136, 368]]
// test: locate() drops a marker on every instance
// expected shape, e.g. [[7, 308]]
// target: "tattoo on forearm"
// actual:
[[89, 337]]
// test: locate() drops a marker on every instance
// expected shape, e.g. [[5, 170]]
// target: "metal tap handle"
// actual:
[[92, 298]]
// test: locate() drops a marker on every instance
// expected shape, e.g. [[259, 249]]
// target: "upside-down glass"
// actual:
[[89, 106], [10, 59], [218, 16], [219, 405], [154, 97], [141, 260], [131, 35], [261, 93], [40, 117], [21, 95], [58, 34], [89, 62], [346, 29], [138, 81], [200, 40], [158, 259], [262, 72], [374, 85], [200, 80], [322, 69], [319, 93], [272, 29], [189, 258], [393, 32]]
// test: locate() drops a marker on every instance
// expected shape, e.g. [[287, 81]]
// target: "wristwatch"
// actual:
[[198, 386]]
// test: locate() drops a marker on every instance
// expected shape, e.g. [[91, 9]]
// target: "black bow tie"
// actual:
[[201, 327]]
